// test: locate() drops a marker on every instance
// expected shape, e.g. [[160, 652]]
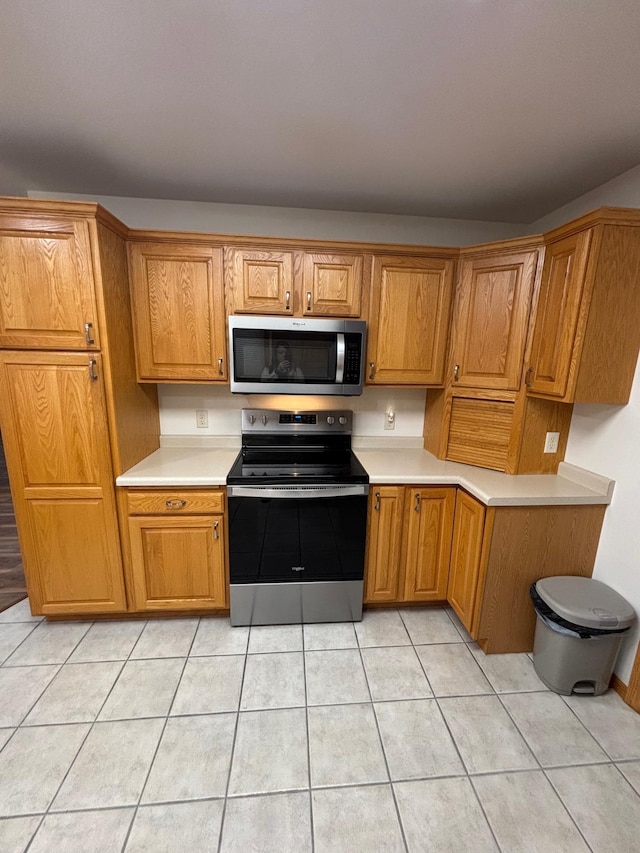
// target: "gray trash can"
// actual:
[[580, 626]]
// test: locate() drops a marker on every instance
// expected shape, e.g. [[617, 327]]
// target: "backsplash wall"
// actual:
[[178, 404]]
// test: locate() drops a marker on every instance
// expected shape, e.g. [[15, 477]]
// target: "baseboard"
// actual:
[[619, 686]]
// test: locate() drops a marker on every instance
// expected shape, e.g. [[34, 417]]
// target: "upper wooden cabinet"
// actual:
[[587, 328], [490, 320], [47, 297], [332, 285], [178, 308], [410, 307], [261, 281]]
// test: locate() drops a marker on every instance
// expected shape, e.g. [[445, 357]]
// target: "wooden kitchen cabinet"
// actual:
[[409, 320], [47, 295], [177, 550], [587, 327], [178, 308], [464, 586], [56, 438], [409, 540], [294, 283]]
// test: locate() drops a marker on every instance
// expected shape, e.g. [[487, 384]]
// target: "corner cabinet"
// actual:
[[178, 308], [294, 283], [409, 320], [587, 328], [177, 550], [409, 540], [54, 428]]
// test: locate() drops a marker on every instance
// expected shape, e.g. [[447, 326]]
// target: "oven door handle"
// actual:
[[297, 492], [340, 351]]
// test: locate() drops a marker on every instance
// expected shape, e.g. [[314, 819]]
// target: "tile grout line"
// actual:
[[381, 742], [166, 720], [306, 716], [35, 626], [566, 808], [233, 746], [606, 752]]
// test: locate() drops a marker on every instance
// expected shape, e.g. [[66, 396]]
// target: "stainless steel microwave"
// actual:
[[291, 355]]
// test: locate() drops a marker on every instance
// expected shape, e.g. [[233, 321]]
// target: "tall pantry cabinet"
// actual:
[[71, 413]]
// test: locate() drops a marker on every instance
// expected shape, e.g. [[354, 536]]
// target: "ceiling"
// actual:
[[477, 109]]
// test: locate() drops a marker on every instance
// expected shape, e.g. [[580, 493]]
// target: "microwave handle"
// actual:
[[340, 350]]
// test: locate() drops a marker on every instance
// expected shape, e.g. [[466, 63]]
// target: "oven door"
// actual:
[[296, 554]]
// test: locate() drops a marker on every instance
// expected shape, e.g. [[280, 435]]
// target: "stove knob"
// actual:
[[264, 419], [331, 419], [342, 420], [251, 419]]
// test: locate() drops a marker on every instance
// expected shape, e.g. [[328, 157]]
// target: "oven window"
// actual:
[[272, 541], [271, 356]]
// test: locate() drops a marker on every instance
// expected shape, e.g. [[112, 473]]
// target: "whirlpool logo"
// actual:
[[297, 568]]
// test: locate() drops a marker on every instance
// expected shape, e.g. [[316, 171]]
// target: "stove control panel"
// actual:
[[276, 420]]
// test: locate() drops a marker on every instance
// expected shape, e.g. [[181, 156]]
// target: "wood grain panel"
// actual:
[[538, 418], [491, 320], [466, 550], [46, 285], [529, 543], [181, 501], [332, 285], [384, 543], [429, 513], [257, 281], [479, 432], [563, 279], [410, 307], [75, 555], [178, 563], [178, 307]]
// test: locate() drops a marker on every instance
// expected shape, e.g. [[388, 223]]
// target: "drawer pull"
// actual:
[[456, 372], [377, 503], [88, 334], [528, 377], [216, 534], [176, 504], [287, 299], [220, 370], [417, 506], [308, 300], [372, 369], [92, 370]]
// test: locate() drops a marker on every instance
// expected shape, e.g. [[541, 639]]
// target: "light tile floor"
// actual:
[[393, 734]]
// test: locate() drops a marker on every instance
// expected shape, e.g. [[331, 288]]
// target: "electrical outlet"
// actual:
[[389, 419], [551, 442], [202, 418]]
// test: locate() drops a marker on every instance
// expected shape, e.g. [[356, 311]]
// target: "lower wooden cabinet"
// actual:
[[408, 544], [177, 550], [464, 588]]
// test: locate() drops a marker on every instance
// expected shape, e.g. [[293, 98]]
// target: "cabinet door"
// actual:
[[47, 298], [178, 563], [429, 514], [490, 320], [332, 285], [384, 543], [466, 550], [178, 305], [54, 427], [410, 303], [259, 281], [561, 288]]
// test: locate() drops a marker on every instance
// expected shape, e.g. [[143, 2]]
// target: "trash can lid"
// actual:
[[585, 601]]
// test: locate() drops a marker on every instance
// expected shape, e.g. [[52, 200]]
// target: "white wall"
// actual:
[[178, 404], [606, 439], [245, 219]]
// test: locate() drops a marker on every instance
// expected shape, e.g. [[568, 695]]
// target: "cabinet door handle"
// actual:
[[220, 370], [377, 503], [372, 369], [417, 506], [88, 333], [175, 504], [456, 372], [287, 299], [216, 534], [528, 377], [308, 300], [92, 370]]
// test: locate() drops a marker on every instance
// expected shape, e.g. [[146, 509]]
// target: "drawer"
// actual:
[[175, 501]]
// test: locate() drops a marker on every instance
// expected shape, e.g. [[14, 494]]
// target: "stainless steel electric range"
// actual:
[[297, 500]]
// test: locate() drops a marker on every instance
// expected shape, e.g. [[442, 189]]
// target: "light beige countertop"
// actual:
[[194, 462]]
